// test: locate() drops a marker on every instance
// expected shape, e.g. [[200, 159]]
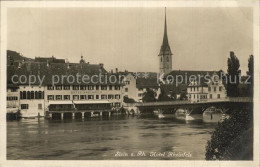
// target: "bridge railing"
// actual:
[[180, 102]]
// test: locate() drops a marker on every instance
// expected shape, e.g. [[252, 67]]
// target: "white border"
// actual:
[[8, 4]]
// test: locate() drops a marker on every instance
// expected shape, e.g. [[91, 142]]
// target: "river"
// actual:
[[113, 138]]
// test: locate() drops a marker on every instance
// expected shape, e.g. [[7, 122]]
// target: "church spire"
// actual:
[[165, 48]]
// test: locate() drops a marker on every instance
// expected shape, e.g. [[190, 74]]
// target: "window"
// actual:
[[127, 82], [66, 97], [90, 87], [66, 87], [75, 97], [167, 59], [58, 87], [90, 96], [83, 87], [49, 87], [36, 95], [140, 89], [161, 59], [28, 95], [97, 87], [103, 96], [75, 87], [110, 96], [41, 95], [83, 97], [103, 87], [40, 106], [215, 89], [117, 96], [190, 96], [218, 96], [117, 87], [58, 97], [191, 89], [210, 96], [117, 104], [24, 94], [126, 89], [110, 87], [14, 89], [194, 96], [197, 88], [209, 88], [32, 94], [50, 97], [97, 96], [220, 88], [24, 106], [11, 98], [139, 95]]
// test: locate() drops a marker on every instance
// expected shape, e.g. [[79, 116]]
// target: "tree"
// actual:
[[149, 95], [233, 74], [128, 100], [250, 74], [163, 96], [233, 138], [183, 96]]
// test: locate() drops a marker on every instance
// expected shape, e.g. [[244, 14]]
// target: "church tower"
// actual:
[[165, 55]]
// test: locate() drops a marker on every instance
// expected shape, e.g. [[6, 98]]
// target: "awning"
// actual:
[[91, 102], [60, 102]]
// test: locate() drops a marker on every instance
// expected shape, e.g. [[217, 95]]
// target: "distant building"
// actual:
[[202, 90], [165, 55], [49, 60], [216, 88], [136, 87], [197, 91]]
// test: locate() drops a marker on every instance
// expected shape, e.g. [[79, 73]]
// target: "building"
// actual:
[[136, 87], [41, 98], [12, 98], [197, 91], [206, 89], [216, 88], [165, 55]]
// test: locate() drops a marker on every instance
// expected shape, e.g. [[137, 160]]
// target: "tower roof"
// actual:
[[165, 48]]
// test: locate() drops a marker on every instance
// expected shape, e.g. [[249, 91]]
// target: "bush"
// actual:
[[233, 138]]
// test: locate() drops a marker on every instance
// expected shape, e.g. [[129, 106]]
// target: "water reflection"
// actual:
[[97, 138]]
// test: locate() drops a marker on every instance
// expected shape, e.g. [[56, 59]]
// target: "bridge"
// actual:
[[225, 104]]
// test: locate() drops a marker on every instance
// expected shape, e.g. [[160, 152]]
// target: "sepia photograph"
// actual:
[[138, 82]]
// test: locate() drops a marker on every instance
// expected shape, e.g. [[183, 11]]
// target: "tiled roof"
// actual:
[[61, 69], [147, 83]]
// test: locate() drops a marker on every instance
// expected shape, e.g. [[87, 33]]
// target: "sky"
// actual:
[[130, 38]]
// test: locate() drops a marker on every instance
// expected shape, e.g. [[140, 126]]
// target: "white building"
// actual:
[[216, 88], [135, 88], [206, 89], [197, 91]]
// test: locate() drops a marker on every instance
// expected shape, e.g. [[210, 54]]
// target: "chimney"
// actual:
[[101, 65], [116, 70], [48, 63], [111, 71]]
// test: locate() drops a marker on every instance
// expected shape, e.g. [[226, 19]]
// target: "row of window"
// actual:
[[11, 98], [31, 94], [26, 106], [83, 87], [82, 97], [209, 89], [215, 89], [203, 96]]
